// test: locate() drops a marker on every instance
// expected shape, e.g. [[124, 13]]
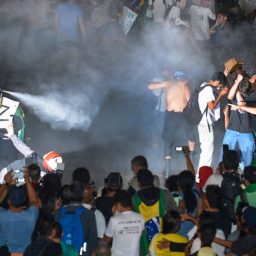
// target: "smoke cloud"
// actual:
[[62, 110]]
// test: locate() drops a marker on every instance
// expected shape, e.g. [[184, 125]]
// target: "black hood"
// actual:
[[149, 196]]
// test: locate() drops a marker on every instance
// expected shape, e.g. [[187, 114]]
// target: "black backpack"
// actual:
[[230, 188], [192, 112]]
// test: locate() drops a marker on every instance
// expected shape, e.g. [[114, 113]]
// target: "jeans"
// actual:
[[245, 142]]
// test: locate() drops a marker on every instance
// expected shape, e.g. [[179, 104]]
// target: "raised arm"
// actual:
[[233, 90], [158, 85], [32, 196], [21, 146]]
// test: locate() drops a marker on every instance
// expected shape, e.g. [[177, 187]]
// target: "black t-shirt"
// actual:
[[241, 121], [105, 205], [222, 222]]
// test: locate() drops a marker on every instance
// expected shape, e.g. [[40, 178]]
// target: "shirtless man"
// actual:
[[176, 130]]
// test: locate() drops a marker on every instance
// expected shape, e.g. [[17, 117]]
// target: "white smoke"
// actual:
[[63, 110]]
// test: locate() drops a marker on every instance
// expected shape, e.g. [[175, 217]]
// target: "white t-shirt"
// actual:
[[125, 229], [205, 96], [214, 179], [200, 22]]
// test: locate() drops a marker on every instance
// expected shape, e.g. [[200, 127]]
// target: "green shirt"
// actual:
[[250, 192], [68, 250]]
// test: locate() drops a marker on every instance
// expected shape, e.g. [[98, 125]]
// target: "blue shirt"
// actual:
[[16, 228]]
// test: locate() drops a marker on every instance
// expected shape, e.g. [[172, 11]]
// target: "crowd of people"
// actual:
[[204, 210]]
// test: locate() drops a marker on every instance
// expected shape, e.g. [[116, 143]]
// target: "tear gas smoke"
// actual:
[[62, 111]]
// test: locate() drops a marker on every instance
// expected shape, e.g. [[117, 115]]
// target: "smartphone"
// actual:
[[178, 148], [19, 176]]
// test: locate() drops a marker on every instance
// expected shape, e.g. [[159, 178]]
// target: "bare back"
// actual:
[[177, 95]]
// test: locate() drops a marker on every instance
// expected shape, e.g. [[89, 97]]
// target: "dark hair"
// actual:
[[50, 185], [145, 178], [250, 174], [52, 249], [171, 222], [34, 172], [213, 195], [81, 174], [77, 191], [140, 161], [124, 198], [171, 183], [65, 194], [220, 76], [205, 218], [102, 249], [231, 160], [207, 234], [17, 196], [244, 87], [54, 226], [114, 181], [186, 182]]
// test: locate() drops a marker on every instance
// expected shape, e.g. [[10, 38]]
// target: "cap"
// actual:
[[232, 64], [179, 75], [204, 173], [114, 181], [249, 215]]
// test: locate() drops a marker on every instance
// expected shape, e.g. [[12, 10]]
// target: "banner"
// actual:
[[129, 17], [7, 111]]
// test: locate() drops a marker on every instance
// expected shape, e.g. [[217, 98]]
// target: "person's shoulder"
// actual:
[[32, 209]]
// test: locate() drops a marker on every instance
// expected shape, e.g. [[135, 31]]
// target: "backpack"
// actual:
[[73, 231], [192, 112], [152, 215], [230, 188]]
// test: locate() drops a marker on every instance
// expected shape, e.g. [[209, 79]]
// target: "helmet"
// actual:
[[53, 161]]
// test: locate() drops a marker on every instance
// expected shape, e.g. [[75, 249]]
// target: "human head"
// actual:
[[222, 18], [145, 178], [123, 200], [114, 181], [181, 4], [244, 87], [207, 233], [102, 249], [180, 75], [213, 196], [34, 172], [204, 173], [52, 161], [171, 222], [218, 79], [232, 65], [17, 196], [54, 231], [77, 192], [81, 174], [171, 183], [65, 194], [249, 216], [231, 160], [250, 174], [50, 185], [89, 194], [139, 162]]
